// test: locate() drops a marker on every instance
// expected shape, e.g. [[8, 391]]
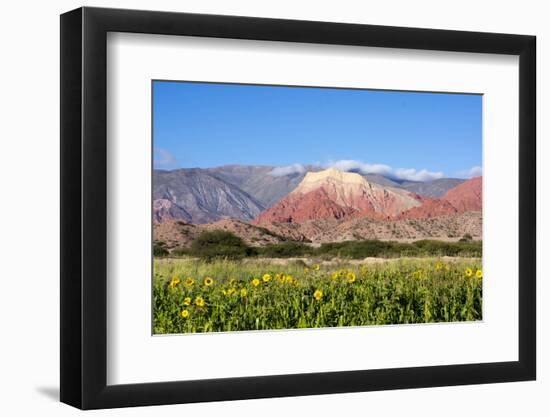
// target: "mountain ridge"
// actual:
[[242, 191], [177, 233], [202, 196], [335, 194]]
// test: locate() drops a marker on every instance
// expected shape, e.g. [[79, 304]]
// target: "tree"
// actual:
[[220, 244]]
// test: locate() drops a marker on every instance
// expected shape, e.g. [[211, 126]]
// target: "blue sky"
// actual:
[[407, 135]]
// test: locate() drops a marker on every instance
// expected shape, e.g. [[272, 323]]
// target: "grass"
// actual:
[[192, 295]]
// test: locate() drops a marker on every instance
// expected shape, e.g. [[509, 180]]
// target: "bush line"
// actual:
[[219, 244]]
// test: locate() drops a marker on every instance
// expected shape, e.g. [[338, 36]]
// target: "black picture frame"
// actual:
[[84, 207]]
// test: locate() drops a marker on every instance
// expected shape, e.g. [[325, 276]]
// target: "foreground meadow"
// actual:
[[192, 295]]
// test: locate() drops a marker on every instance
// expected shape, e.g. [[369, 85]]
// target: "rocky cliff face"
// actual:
[[164, 210], [335, 194], [326, 206], [430, 208], [177, 233], [466, 196], [434, 188], [197, 196], [332, 194], [200, 195]]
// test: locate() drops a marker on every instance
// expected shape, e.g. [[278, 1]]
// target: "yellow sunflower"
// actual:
[[199, 301], [316, 267], [255, 282], [184, 313], [351, 276], [189, 281], [479, 273], [174, 282], [187, 301], [208, 281], [244, 292], [318, 294], [468, 272], [266, 277]]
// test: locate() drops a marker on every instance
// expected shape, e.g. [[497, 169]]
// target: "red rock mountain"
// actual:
[[431, 207], [466, 196], [333, 194]]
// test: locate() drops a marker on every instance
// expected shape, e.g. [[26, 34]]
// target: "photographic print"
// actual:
[[289, 207]]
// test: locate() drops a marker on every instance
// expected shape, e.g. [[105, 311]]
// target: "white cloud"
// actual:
[[474, 171], [409, 174], [287, 170], [358, 166], [412, 174], [164, 159]]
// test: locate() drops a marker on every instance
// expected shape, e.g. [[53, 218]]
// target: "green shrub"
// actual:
[[223, 244], [466, 238], [181, 251], [159, 249], [438, 248], [358, 249], [220, 244], [285, 250]]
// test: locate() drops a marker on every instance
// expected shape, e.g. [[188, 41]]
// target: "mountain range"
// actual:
[[204, 195], [315, 206], [200, 196], [333, 194]]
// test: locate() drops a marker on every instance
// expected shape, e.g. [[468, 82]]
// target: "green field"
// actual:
[[194, 295]]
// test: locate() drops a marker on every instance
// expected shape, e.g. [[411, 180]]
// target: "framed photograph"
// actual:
[[258, 208]]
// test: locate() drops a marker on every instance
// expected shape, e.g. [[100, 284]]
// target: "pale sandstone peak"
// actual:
[[334, 174], [335, 194]]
